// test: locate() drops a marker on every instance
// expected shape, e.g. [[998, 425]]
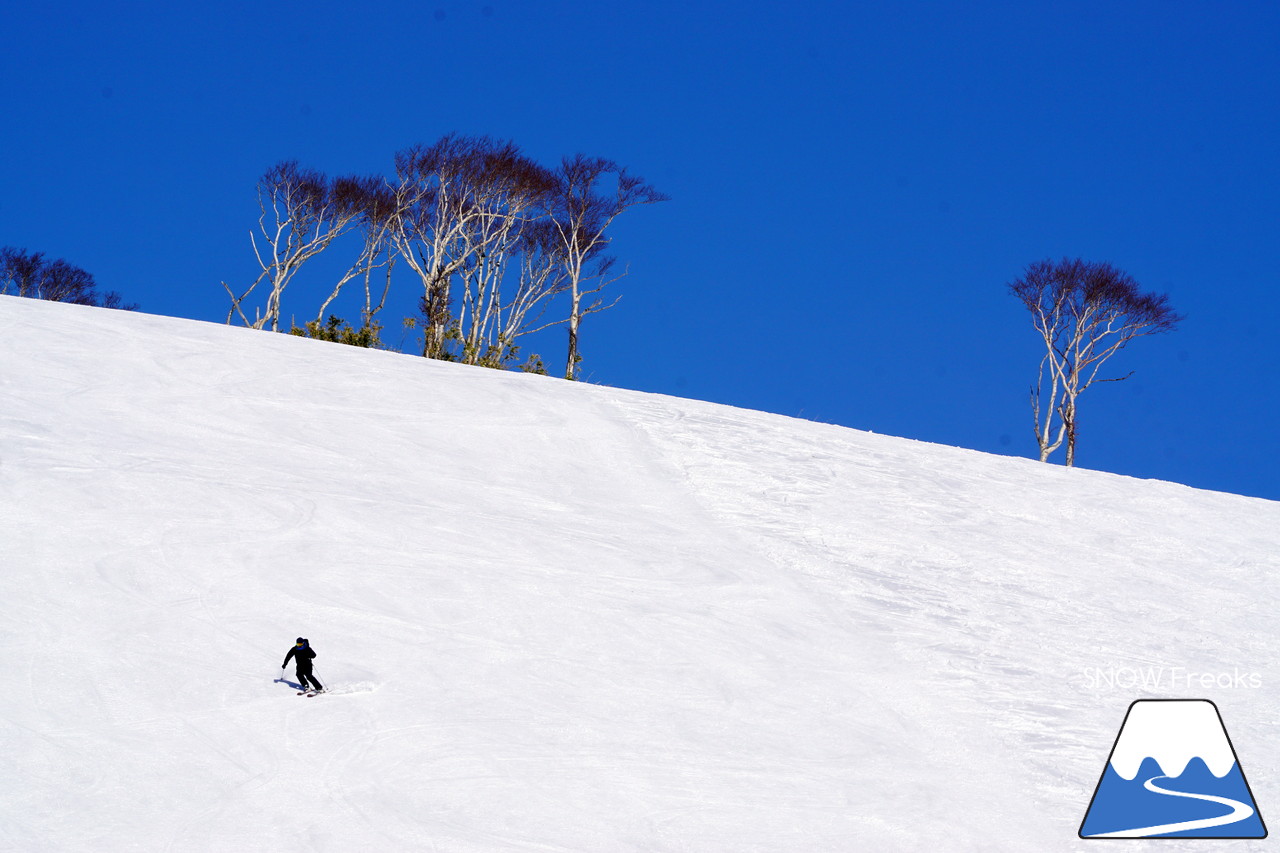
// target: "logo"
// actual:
[[1172, 773]]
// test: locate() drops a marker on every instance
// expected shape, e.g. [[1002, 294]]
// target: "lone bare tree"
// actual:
[[583, 209], [1085, 313]]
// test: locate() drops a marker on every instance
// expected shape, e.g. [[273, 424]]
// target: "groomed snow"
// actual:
[[566, 617]]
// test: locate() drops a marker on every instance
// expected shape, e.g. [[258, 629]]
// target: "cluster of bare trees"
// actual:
[[1084, 312], [33, 275], [492, 239]]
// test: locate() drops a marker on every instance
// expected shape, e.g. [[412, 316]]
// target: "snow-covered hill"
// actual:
[[566, 617]]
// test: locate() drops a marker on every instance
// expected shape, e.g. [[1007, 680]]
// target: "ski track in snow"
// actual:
[[567, 617]]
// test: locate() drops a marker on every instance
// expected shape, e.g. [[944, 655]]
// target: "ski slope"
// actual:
[[565, 617]]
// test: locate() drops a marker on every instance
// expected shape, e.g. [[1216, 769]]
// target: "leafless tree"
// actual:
[[376, 206], [492, 236], [1085, 313], [22, 273], [509, 192], [583, 208], [434, 210], [32, 275], [302, 213], [464, 205], [540, 279]]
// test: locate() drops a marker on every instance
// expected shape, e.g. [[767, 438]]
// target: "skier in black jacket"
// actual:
[[303, 654]]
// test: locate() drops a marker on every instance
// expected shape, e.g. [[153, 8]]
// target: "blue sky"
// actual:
[[852, 186]]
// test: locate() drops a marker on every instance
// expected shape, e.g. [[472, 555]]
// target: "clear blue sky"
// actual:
[[852, 184]]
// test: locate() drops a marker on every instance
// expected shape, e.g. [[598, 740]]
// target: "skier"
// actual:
[[303, 654]]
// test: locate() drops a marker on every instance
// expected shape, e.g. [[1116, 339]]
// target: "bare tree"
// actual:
[[31, 275], [434, 210], [582, 210], [376, 206], [21, 273], [541, 277], [466, 211], [464, 205], [509, 192], [1085, 313], [302, 213]]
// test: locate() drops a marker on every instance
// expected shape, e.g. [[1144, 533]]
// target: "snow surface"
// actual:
[[566, 617]]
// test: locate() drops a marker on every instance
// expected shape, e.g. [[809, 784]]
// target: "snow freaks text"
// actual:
[[1167, 678]]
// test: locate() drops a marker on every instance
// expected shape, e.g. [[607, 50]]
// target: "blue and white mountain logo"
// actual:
[[1173, 773]]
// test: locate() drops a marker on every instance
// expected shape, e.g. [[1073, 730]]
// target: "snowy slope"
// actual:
[[566, 617]]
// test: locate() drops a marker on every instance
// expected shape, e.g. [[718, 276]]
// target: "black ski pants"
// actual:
[[304, 675]]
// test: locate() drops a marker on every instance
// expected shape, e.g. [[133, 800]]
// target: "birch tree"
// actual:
[[433, 212], [22, 273], [376, 206], [1084, 313], [302, 213], [509, 193], [540, 278], [583, 209]]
